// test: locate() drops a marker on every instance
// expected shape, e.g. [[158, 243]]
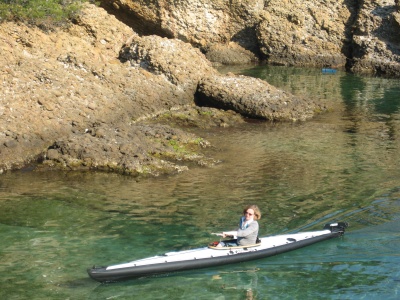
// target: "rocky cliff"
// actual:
[[362, 36], [83, 97], [80, 97]]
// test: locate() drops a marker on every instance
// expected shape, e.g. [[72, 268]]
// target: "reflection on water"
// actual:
[[343, 165]]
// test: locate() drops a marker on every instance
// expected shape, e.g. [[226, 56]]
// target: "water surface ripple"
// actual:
[[340, 166]]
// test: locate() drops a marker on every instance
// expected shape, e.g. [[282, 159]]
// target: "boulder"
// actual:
[[230, 54], [254, 98], [178, 62]]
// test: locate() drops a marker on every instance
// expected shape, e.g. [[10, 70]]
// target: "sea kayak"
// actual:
[[214, 255]]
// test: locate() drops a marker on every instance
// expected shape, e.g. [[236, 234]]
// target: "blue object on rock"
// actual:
[[331, 71]]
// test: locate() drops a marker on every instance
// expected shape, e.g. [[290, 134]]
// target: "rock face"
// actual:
[[197, 22], [64, 85], [78, 98], [376, 40], [202, 23], [53, 84], [305, 33], [361, 35]]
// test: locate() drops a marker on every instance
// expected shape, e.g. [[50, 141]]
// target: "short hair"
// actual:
[[257, 213]]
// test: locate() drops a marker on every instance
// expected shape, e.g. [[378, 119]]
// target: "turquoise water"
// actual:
[[340, 166]]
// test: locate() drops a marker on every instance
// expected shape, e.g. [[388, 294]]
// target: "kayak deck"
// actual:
[[208, 252], [231, 244]]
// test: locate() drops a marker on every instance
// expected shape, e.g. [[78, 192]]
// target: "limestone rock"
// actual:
[[180, 63], [376, 41], [230, 54], [254, 98], [304, 33], [282, 32]]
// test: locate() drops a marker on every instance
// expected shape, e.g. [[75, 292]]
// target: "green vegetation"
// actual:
[[178, 147], [207, 113], [199, 141], [43, 13]]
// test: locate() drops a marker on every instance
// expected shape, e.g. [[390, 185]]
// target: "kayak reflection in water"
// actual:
[[247, 232]]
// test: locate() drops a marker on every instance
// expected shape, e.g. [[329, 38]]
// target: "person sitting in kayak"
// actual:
[[247, 232]]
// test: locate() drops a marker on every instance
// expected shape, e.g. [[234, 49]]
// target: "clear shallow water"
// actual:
[[340, 166]]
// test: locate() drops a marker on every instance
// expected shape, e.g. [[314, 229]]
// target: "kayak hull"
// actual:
[[205, 257]]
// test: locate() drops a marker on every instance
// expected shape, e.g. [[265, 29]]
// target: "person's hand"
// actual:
[[229, 234]]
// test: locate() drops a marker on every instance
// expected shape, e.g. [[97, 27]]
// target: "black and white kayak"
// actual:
[[212, 255]]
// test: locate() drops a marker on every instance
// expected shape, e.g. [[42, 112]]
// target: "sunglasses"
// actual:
[[247, 213]]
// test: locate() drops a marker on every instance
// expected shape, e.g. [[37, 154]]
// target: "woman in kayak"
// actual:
[[247, 232]]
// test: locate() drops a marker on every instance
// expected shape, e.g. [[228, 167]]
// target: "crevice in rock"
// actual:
[[347, 49], [139, 24]]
